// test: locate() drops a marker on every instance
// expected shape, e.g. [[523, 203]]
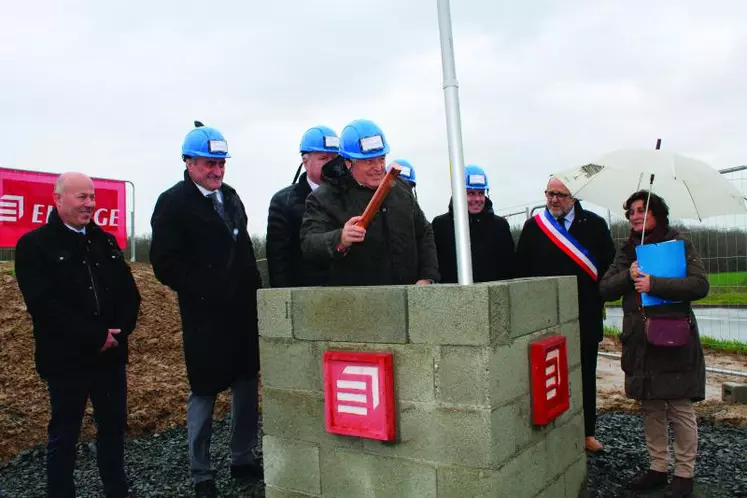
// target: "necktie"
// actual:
[[561, 222], [217, 205]]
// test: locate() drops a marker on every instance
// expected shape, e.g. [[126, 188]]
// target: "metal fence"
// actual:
[[722, 244]]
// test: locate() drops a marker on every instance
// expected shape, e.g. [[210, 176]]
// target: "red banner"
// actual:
[[26, 200]]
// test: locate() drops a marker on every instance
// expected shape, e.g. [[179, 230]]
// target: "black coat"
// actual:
[[492, 246], [398, 249], [537, 255], [76, 287], [655, 372], [285, 263], [216, 280]]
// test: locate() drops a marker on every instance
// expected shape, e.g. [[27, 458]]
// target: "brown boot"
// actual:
[[681, 487], [650, 480], [592, 444]]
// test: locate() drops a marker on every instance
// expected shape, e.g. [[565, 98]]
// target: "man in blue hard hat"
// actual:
[[286, 266], [396, 248], [492, 245], [202, 250], [406, 174]]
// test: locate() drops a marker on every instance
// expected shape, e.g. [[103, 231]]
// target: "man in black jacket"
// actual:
[[84, 304], [490, 235], [397, 247], [285, 263], [565, 239], [202, 250]]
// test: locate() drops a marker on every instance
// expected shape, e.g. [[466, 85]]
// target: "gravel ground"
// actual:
[[159, 468], [720, 471]]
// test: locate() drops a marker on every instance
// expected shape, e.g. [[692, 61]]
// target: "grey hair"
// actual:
[[59, 184]]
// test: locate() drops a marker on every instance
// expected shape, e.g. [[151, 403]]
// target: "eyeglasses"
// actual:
[[560, 195]]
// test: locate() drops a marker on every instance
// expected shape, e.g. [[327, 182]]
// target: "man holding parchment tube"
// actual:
[[393, 247]]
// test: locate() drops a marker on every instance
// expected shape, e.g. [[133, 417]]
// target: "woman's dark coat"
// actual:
[[655, 372]]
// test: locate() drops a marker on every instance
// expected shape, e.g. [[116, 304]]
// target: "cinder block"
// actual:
[[464, 482], [463, 375], [452, 436], [350, 314], [572, 332], [556, 489], [734, 392], [524, 475], [348, 473], [513, 430], [290, 364], [500, 312], [274, 310], [413, 367], [509, 371], [291, 465], [449, 314], [568, 298], [300, 415], [534, 305], [273, 492], [565, 445], [575, 477]]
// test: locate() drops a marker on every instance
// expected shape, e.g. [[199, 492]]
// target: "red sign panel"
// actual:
[[550, 391], [26, 200], [359, 394]]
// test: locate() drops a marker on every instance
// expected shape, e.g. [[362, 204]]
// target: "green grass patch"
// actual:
[[729, 279]]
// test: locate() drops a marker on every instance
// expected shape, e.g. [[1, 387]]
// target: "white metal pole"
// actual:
[[456, 154], [132, 223]]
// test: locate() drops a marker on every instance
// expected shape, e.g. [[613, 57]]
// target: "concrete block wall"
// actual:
[[462, 387]]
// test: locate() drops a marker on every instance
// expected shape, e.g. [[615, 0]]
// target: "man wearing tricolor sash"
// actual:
[[565, 239]]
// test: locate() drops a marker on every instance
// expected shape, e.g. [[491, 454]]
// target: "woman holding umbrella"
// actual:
[[666, 379]]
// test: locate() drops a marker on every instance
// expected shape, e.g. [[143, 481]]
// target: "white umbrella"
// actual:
[[691, 188]]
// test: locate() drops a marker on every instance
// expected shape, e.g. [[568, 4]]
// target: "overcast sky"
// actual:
[[111, 89]]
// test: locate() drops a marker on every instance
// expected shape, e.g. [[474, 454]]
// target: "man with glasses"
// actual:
[[202, 250], [397, 248], [565, 239]]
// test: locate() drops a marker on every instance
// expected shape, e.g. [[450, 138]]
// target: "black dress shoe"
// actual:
[[206, 489], [648, 481], [681, 487], [251, 470]]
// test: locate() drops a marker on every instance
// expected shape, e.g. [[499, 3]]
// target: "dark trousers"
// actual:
[[589, 352], [68, 394]]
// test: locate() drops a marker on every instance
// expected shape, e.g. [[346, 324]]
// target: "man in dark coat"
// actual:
[[396, 249], [202, 250], [82, 315], [491, 243], [285, 263], [565, 239]]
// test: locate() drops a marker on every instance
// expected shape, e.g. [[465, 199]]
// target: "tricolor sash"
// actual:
[[566, 243]]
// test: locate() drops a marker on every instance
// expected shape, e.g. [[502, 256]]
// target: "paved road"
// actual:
[[718, 323]]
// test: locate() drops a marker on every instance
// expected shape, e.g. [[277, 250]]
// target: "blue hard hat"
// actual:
[[320, 139], [407, 172], [475, 177], [363, 139], [205, 141]]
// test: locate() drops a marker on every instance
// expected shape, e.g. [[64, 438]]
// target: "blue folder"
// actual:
[[666, 259]]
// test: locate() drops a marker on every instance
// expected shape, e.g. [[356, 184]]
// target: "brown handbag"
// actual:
[[666, 331]]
